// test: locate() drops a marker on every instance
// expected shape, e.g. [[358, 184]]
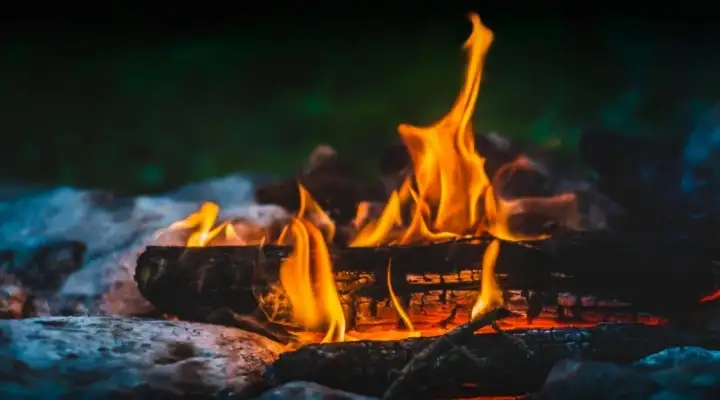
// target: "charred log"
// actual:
[[664, 277], [411, 376], [487, 365], [333, 183]]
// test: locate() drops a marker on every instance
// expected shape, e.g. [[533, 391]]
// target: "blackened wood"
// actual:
[[410, 377], [337, 195], [496, 365], [332, 181], [657, 275]]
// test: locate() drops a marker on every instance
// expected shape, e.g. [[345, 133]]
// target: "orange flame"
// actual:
[[449, 197], [396, 303], [376, 232], [203, 220], [490, 295], [448, 172], [307, 277]]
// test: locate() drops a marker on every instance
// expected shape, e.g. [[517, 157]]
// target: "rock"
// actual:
[[642, 176], [30, 279], [13, 299], [309, 391], [675, 373], [100, 357], [701, 163], [684, 372], [113, 231], [44, 269], [671, 186], [595, 380]]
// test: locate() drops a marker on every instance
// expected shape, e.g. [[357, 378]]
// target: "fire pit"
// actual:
[[468, 266], [466, 269]]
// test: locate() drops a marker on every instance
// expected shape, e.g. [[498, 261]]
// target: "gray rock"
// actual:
[[677, 357], [309, 391], [595, 380], [100, 357], [684, 372], [114, 230], [675, 373]]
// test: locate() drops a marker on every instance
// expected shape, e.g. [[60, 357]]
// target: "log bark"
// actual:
[[657, 275], [489, 364]]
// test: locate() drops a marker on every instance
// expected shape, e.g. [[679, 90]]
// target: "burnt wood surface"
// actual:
[[662, 276], [490, 364]]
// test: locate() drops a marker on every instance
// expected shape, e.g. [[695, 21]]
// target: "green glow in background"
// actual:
[[147, 115]]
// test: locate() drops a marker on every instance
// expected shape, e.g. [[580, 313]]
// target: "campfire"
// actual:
[[467, 265], [451, 240]]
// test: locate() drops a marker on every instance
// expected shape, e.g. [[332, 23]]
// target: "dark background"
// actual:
[[149, 102]]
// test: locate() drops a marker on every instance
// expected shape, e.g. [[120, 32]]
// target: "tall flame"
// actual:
[[490, 295], [449, 196], [307, 276], [396, 302], [448, 172]]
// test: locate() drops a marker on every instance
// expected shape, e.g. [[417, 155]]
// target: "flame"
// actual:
[[309, 282], [396, 303], [448, 197], [203, 220], [376, 232], [490, 295], [231, 235], [309, 207], [448, 172]]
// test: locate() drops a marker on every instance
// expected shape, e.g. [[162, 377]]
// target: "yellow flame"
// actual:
[[296, 279], [396, 303], [232, 236], [329, 298], [307, 277], [376, 232], [310, 208], [203, 220], [490, 294], [448, 172], [449, 196]]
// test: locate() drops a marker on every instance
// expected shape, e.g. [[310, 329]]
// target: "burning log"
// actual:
[[656, 275], [487, 365], [411, 375]]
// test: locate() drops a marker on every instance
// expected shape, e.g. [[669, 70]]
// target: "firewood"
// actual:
[[410, 377], [487, 365], [333, 183], [656, 275]]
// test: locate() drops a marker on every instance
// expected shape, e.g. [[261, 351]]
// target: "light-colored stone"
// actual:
[[95, 357], [115, 230]]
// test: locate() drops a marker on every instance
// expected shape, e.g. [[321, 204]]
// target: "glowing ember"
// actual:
[[448, 197]]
